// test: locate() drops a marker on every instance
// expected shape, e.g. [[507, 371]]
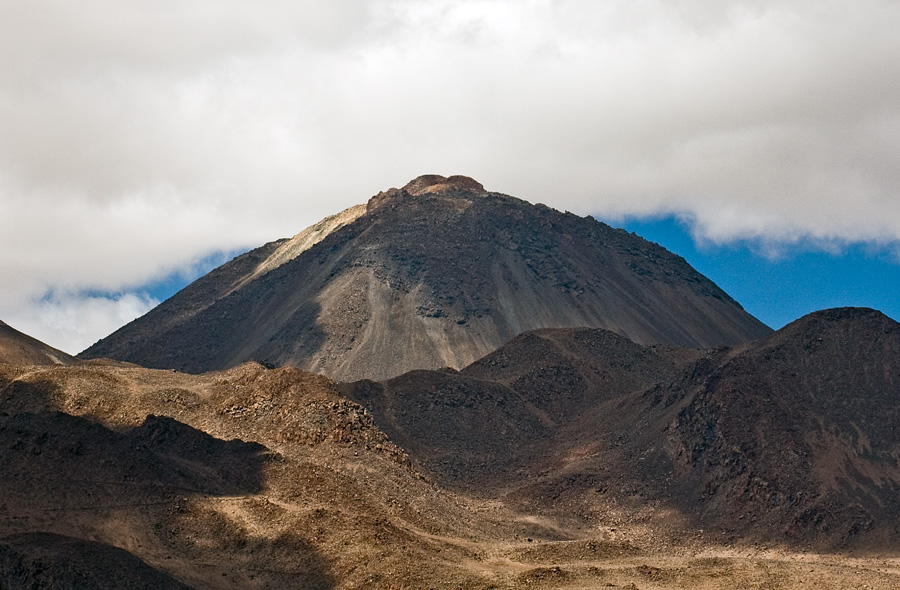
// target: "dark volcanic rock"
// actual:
[[438, 273], [509, 415], [792, 439], [798, 435], [565, 371]]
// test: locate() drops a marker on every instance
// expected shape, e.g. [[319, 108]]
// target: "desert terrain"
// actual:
[[273, 478], [451, 388]]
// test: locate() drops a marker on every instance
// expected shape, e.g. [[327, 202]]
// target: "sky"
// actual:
[[141, 143], [780, 284]]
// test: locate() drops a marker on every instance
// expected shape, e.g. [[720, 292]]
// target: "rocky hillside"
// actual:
[[567, 459], [798, 434], [438, 273], [17, 348], [790, 439], [251, 478]]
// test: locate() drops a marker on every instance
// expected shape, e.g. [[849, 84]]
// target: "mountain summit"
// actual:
[[434, 183], [437, 273]]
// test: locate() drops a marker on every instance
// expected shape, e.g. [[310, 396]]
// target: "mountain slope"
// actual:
[[496, 424], [317, 497], [438, 273], [799, 434], [577, 459], [792, 439], [17, 348]]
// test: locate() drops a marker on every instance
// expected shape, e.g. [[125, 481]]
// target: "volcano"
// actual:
[[435, 274]]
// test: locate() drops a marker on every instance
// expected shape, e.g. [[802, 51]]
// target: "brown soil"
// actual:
[[17, 348]]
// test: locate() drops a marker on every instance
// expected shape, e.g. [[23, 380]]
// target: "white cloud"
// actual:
[[136, 137], [74, 321]]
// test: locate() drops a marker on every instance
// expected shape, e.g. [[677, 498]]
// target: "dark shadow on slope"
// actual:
[[57, 562], [71, 451], [504, 420], [17, 396], [467, 434], [71, 476], [791, 440], [235, 463]]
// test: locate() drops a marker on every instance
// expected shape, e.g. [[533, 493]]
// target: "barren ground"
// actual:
[[329, 502]]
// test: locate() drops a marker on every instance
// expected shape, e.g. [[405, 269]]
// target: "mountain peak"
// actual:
[[429, 184], [437, 273], [436, 184]]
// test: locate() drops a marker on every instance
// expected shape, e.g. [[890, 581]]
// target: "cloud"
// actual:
[[135, 138], [74, 321]]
